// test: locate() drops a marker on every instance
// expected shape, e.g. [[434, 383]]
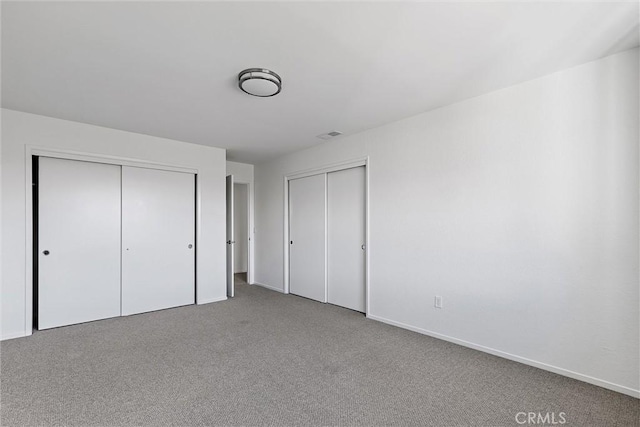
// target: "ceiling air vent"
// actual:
[[329, 135]]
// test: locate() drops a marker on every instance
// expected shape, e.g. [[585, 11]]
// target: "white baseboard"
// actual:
[[210, 300], [13, 335], [561, 371], [273, 288]]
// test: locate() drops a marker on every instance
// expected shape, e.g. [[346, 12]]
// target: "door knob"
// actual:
[[190, 245], [230, 242], [362, 247], [45, 252]]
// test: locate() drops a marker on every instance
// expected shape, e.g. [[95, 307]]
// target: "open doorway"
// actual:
[[241, 233]]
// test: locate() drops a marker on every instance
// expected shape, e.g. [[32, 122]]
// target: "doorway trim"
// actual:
[[249, 229], [31, 150], [362, 161]]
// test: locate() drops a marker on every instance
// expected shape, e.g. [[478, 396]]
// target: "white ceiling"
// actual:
[[169, 69]]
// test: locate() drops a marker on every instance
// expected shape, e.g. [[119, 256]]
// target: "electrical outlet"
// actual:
[[438, 302]]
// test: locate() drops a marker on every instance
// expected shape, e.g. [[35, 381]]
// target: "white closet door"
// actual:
[[346, 231], [158, 233], [78, 242], [307, 237]]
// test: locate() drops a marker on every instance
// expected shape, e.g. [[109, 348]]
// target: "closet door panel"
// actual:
[[307, 237], [346, 237], [78, 242], [158, 239]]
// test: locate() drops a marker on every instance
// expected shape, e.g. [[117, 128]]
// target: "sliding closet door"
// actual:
[[158, 239], [307, 237], [346, 238], [78, 242]]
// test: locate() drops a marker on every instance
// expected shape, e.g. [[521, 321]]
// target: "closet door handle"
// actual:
[[362, 247], [45, 252]]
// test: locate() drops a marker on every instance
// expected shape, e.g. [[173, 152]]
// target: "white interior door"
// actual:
[[78, 242], [230, 241], [346, 238], [307, 237], [240, 228], [158, 239]]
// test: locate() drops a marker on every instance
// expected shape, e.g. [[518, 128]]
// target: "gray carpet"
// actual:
[[265, 358]]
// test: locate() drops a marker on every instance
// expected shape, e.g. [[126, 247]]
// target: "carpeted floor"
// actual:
[[265, 358]]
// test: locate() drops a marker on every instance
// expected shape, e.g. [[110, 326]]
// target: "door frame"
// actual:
[[31, 150], [363, 161], [230, 190], [249, 227]]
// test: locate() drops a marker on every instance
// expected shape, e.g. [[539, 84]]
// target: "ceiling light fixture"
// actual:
[[259, 82]]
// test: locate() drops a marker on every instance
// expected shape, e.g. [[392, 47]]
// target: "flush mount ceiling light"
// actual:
[[259, 82]]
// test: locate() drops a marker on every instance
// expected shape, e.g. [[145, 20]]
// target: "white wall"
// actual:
[[243, 173], [240, 228], [21, 129], [519, 208]]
